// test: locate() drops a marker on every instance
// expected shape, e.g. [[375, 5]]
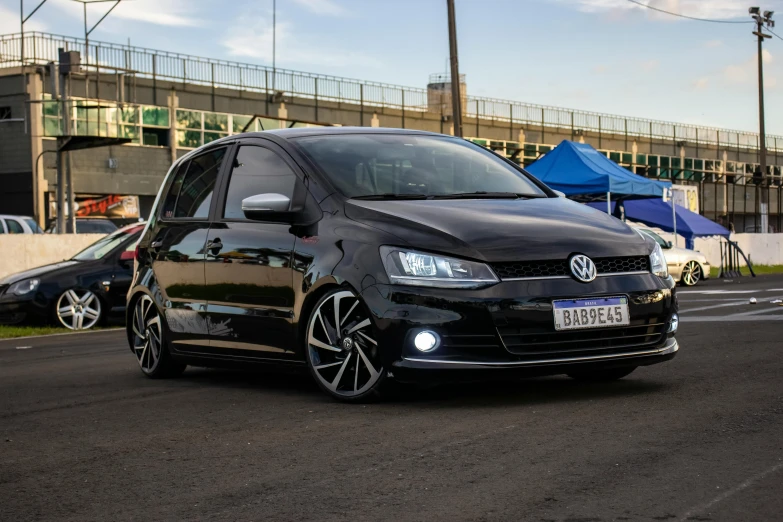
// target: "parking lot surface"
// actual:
[[84, 436]]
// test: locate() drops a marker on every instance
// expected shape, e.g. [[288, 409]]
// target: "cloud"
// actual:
[[323, 7], [701, 84], [253, 39], [9, 21], [714, 9], [747, 72], [650, 65], [169, 13]]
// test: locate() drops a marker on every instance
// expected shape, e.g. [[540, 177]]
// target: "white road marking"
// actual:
[[740, 303], [762, 311], [686, 292], [23, 347], [733, 491]]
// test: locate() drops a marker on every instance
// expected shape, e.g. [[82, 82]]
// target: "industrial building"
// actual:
[[147, 107]]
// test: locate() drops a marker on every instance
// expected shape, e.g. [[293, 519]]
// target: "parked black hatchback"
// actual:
[[371, 255]]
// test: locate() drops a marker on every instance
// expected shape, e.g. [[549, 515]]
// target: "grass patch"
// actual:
[[758, 269], [9, 332]]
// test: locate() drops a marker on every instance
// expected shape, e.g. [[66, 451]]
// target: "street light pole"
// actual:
[[456, 100], [761, 21]]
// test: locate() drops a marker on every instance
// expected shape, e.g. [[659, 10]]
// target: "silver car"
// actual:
[[686, 266]]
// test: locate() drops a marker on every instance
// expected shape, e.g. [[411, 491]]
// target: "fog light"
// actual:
[[673, 324], [426, 341]]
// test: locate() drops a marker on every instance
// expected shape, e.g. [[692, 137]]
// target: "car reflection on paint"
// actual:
[[368, 256]]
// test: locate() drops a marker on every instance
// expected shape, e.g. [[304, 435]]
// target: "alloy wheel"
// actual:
[[691, 273], [78, 309], [147, 334], [342, 350]]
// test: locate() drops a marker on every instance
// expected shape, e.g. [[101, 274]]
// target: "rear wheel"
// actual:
[[602, 375], [342, 348], [149, 345], [691, 273]]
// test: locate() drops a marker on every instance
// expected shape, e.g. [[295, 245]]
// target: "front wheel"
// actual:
[[148, 341], [691, 273], [342, 348], [78, 309], [602, 375]]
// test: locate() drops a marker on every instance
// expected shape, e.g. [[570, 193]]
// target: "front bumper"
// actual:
[[510, 326], [15, 309]]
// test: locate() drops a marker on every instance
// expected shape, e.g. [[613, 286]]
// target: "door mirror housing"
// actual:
[[559, 194], [668, 244], [268, 207]]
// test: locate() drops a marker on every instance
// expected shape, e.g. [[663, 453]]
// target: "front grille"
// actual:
[[547, 342], [554, 268]]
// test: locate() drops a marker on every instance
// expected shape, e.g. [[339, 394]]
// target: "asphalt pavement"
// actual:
[[84, 436]]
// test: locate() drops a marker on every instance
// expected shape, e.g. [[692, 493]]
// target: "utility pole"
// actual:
[[274, 44], [456, 100], [761, 21]]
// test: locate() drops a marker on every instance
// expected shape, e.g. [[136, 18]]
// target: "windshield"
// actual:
[[103, 246], [658, 239], [389, 165]]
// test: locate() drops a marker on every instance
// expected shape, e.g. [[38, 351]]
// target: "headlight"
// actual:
[[409, 267], [24, 287], [658, 262]]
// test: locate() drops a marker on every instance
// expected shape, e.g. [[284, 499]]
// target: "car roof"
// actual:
[[327, 131], [14, 216]]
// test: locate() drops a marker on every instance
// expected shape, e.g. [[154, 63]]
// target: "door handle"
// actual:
[[214, 246], [156, 244]]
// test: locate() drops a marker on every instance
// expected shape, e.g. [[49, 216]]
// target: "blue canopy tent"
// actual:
[[577, 169], [658, 213]]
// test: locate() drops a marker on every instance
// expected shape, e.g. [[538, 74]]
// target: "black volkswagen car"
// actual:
[[375, 255], [77, 293]]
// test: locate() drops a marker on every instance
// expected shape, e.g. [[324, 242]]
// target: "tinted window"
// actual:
[[103, 246], [14, 227], [257, 171], [193, 185], [375, 164], [33, 225], [95, 227]]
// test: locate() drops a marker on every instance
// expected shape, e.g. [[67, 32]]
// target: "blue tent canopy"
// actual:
[[658, 213], [577, 169]]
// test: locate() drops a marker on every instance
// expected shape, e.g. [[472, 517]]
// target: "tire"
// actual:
[[691, 273], [147, 336], [78, 309], [341, 348], [613, 374]]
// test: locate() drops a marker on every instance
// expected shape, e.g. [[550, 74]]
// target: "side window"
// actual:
[[191, 191], [198, 185], [256, 171], [14, 227], [170, 202], [2, 227]]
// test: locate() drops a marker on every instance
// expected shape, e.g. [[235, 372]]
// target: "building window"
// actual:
[[5, 113]]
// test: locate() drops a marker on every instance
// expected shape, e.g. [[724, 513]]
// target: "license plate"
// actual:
[[600, 312]]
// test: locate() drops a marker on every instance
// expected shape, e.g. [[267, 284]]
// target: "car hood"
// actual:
[[498, 230], [36, 272], [685, 253]]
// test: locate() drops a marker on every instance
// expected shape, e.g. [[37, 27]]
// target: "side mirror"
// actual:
[[127, 255], [668, 244], [559, 194], [271, 206]]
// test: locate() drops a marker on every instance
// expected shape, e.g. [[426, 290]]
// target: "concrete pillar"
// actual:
[[173, 102], [34, 88], [375, 122], [582, 138], [282, 113], [521, 138], [725, 186]]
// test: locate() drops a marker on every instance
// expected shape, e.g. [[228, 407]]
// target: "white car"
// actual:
[[18, 225], [685, 266]]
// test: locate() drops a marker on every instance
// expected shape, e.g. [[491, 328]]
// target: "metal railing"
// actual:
[[41, 48]]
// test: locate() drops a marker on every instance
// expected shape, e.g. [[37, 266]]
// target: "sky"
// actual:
[[608, 56]]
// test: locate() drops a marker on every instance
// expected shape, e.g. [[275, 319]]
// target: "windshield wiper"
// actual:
[[374, 197], [486, 195]]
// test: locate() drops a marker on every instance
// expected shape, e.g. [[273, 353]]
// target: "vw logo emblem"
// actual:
[[583, 268], [347, 344]]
